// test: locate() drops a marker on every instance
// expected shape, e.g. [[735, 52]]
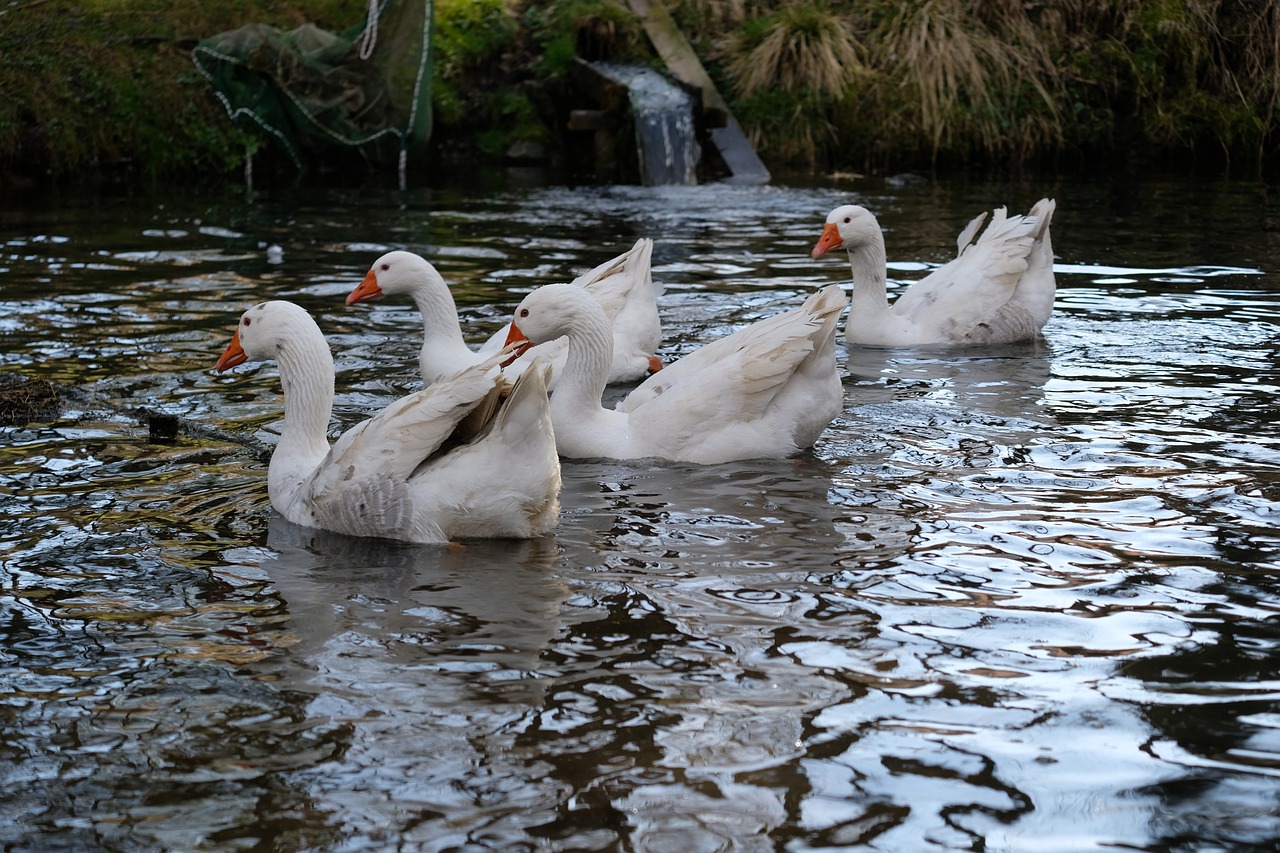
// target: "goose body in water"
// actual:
[[999, 289], [458, 459], [767, 390], [623, 286]]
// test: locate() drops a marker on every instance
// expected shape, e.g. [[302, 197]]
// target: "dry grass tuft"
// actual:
[[960, 69], [801, 47]]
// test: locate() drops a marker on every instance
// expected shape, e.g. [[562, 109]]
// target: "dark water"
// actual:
[[1017, 599]]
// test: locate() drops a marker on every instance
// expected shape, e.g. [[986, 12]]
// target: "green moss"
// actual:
[[106, 88], [470, 34], [476, 46], [590, 29]]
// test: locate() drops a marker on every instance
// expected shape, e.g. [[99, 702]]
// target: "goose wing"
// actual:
[[734, 380], [373, 460], [973, 287]]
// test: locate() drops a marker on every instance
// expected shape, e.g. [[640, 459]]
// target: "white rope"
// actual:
[[370, 37], [429, 7]]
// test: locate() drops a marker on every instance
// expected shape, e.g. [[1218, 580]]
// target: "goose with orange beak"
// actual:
[[623, 286], [999, 289], [766, 391], [470, 456]]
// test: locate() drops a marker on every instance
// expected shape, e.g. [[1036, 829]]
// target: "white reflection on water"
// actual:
[[1016, 598]]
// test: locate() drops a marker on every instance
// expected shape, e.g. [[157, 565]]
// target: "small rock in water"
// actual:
[[162, 427], [526, 151], [906, 179], [275, 254]]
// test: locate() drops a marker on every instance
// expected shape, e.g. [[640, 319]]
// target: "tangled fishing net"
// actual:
[[320, 94]]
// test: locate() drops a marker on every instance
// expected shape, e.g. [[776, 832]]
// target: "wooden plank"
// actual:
[[591, 120]]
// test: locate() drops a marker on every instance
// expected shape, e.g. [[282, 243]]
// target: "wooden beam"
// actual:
[[592, 120]]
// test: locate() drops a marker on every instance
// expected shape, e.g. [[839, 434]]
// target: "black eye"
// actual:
[[848, 219], [524, 312], [385, 267], [247, 321]]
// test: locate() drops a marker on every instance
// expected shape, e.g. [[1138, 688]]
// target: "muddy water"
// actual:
[[1015, 599]]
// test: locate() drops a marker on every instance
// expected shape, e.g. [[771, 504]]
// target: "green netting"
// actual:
[[314, 91]]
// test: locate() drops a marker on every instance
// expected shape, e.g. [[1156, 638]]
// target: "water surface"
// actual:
[[1020, 598]]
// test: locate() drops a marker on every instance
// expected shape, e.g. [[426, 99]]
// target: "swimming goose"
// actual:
[[453, 460], [764, 391], [624, 287], [999, 289]]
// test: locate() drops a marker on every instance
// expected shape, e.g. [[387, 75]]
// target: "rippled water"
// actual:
[[1015, 599]]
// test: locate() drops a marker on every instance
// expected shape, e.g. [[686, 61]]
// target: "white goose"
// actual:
[[624, 287], [765, 391], [453, 460], [998, 290]]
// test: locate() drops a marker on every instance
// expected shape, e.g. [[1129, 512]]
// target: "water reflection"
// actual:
[[430, 658], [1005, 382], [400, 604], [675, 691], [1013, 599]]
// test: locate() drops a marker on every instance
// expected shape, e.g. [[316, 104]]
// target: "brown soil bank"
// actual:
[[106, 89]]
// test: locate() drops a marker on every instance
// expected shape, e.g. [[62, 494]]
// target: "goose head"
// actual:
[[394, 272], [552, 311], [264, 331], [849, 226]]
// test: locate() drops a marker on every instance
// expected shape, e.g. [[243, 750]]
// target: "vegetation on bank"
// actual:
[[94, 89], [101, 88]]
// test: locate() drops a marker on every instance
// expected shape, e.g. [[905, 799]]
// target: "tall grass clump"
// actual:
[[965, 83], [789, 69], [1007, 81], [880, 80], [1169, 78]]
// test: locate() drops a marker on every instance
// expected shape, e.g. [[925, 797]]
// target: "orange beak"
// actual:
[[365, 290], [515, 336], [232, 355], [829, 240]]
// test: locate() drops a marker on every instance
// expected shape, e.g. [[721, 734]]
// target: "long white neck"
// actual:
[[586, 367], [442, 343], [307, 376], [869, 265], [584, 428]]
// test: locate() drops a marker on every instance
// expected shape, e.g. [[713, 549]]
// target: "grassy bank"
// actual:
[[94, 89], [1007, 81]]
